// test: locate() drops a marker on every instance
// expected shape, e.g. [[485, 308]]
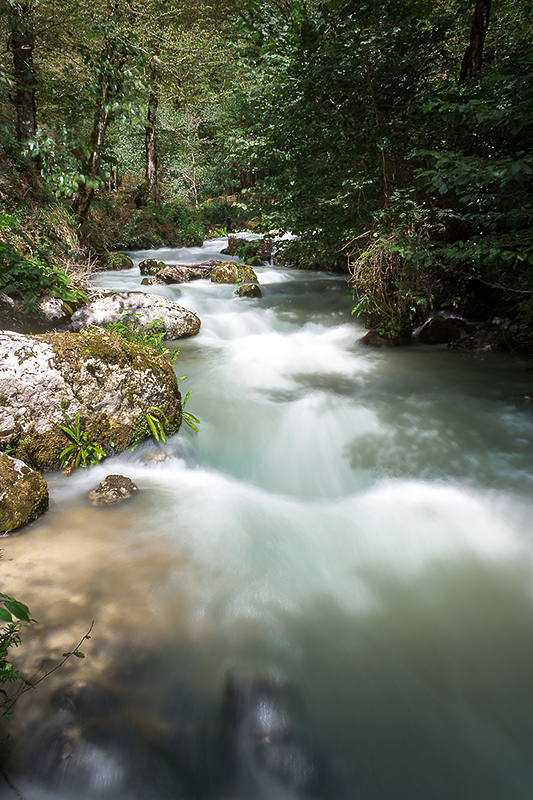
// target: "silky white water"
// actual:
[[354, 523]]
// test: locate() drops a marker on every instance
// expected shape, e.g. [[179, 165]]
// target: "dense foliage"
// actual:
[[371, 150], [375, 131]]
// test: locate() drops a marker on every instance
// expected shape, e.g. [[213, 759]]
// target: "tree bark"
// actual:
[[473, 57], [149, 184], [111, 75], [21, 44], [150, 140]]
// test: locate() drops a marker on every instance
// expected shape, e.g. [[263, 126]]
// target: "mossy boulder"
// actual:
[[249, 290], [233, 273], [48, 379], [145, 309], [151, 266], [116, 261], [23, 494]]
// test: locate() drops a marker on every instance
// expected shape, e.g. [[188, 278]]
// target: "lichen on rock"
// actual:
[[111, 382], [231, 272], [144, 309], [112, 490]]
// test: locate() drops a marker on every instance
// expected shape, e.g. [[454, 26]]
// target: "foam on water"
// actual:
[[356, 521]]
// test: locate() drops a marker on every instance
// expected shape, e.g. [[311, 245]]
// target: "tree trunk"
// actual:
[[21, 44], [474, 53], [111, 74], [149, 185], [150, 140]]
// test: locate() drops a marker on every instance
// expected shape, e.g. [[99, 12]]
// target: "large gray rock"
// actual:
[[109, 382], [146, 309], [23, 494]]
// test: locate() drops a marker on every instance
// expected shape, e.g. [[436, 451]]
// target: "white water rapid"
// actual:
[[326, 592]]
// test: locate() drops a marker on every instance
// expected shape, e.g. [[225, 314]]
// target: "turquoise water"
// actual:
[[351, 523]]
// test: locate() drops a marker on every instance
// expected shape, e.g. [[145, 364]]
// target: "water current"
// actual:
[[326, 592]]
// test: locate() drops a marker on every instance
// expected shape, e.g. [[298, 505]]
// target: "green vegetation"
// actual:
[[393, 139], [151, 422], [14, 683], [189, 418], [81, 451], [151, 335]]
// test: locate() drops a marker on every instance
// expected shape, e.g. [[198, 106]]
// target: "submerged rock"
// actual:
[[144, 309], [94, 377], [23, 494], [113, 489], [264, 738], [233, 273]]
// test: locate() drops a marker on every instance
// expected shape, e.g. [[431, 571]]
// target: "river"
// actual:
[[326, 592]]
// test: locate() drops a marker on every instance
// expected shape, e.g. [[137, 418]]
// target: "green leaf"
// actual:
[[5, 616], [18, 610]]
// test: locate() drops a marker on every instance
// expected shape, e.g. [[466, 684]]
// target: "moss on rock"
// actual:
[[230, 272], [23, 494], [108, 382]]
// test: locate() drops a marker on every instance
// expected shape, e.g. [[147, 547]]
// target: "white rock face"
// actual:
[[110, 382], [176, 321]]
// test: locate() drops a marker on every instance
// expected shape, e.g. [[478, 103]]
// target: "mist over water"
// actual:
[[348, 537]]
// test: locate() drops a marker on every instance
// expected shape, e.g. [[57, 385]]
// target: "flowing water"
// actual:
[[326, 592]]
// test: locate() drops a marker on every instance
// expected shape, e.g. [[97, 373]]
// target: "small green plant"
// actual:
[[81, 451], [150, 423], [151, 335], [16, 617], [189, 418]]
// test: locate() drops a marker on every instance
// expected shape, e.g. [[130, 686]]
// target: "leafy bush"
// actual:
[[28, 274]]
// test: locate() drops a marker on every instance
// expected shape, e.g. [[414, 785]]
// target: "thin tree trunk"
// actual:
[[149, 185], [21, 44], [473, 58], [110, 87], [150, 140]]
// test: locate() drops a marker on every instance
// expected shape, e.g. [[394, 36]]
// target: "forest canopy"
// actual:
[[393, 139]]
